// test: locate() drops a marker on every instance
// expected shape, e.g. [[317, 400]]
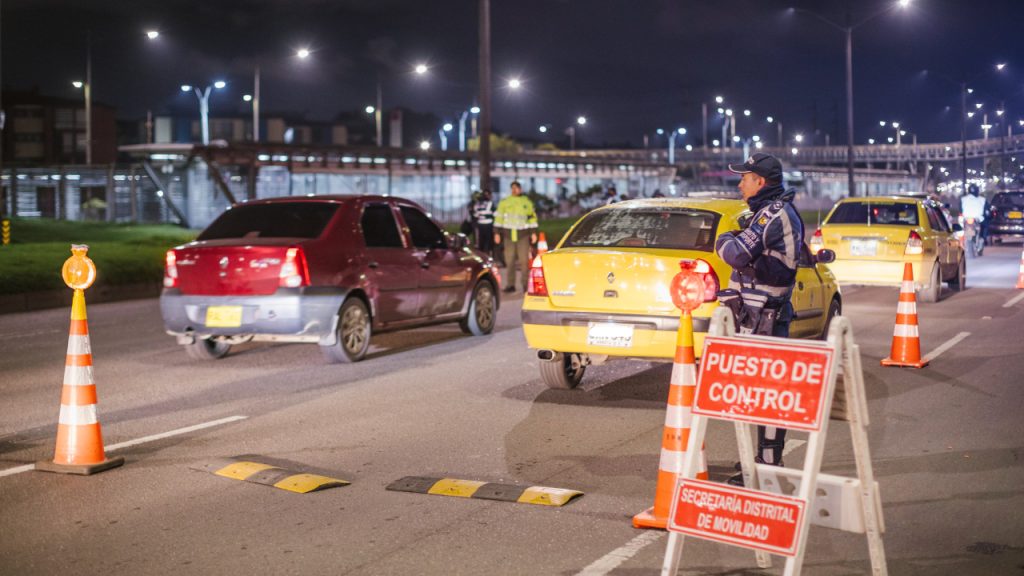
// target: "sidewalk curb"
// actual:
[[29, 301]]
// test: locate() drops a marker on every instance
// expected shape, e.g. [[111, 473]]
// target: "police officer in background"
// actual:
[[764, 260], [515, 229]]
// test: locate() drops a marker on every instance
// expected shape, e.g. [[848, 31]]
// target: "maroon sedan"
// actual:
[[325, 269]]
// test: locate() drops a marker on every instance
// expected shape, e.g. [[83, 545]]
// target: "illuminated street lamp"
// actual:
[[672, 144], [443, 135], [571, 130], [848, 33], [204, 107], [420, 69], [302, 53], [515, 83], [152, 34], [424, 145], [370, 109]]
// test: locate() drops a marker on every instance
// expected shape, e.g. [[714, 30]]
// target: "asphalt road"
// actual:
[[946, 442]]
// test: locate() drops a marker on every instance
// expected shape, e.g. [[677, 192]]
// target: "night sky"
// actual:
[[629, 66]]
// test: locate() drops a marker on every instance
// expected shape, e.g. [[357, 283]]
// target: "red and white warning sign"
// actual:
[[737, 516], [778, 384]]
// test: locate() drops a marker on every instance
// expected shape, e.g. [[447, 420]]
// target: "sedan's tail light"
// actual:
[[711, 285], [817, 242], [536, 285], [170, 270], [914, 244], [294, 272]]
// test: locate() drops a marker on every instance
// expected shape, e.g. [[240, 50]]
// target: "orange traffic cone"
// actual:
[[1020, 276], [906, 343], [79, 447], [542, 244], [677, 429]]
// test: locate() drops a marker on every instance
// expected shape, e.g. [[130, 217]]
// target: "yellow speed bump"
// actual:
[[269, 475], [541, 495]]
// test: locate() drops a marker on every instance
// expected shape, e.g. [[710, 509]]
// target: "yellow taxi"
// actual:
[[603, 292], [874, 236]]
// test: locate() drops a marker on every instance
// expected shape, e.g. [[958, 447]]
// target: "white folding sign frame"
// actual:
[[827, 498]]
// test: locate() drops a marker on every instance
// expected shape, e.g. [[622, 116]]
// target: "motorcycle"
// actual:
[[974, 243]]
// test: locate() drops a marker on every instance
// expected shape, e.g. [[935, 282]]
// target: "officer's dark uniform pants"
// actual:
[[485, 237], [771, 440]]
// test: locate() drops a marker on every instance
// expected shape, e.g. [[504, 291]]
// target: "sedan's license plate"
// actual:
[[1016, 215], [610, 335], [224, 316], [863, 247]]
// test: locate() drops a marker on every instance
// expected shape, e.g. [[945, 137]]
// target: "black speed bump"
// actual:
[[541, 495], [269, 475]]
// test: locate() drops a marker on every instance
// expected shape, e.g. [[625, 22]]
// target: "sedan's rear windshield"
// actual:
[[276, 220], [897, 213], [647, 228], [1008, 200]]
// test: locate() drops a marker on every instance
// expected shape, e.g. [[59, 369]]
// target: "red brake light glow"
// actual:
[[536, 285], [294, 272], [817, 242], [914, 244], [711, 285], [170, 270]]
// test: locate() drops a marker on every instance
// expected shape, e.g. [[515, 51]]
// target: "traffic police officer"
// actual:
[[515, 229], [764, 258]]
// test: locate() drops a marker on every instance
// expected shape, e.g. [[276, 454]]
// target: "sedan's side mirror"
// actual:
[[458, 241], [957, 227], [825, 256]]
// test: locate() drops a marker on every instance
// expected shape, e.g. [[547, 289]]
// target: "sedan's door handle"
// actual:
[[372, 264], [800, 285]]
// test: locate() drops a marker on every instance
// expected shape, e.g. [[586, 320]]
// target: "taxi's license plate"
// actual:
[[860, 247], [1016, 215], [610, 335], [224, 316]]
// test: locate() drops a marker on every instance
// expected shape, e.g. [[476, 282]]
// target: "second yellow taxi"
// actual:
[[603, 292]]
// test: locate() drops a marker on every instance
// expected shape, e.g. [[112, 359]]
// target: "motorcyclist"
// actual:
[[972, 205]]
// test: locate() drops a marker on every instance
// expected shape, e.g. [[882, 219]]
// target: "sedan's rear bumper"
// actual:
[[299, 314], [1006, 229]]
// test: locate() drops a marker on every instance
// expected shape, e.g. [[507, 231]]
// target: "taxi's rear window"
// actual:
[[895, 213], [677, 229], [1009, 200]]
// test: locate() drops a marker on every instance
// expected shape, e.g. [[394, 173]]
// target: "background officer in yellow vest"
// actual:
[[515, 229]]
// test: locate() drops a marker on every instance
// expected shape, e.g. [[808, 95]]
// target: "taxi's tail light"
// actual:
[[536, 285], [294, 272], [817, 242], [914, 244], [711, 284], [170, 270]]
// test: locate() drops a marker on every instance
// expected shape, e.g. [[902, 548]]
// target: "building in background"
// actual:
[[42, 129]]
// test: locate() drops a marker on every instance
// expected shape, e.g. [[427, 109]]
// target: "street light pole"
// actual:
[[485, 94], [704, 122], [851, 185], [88, 98], [377, 114], [256, 106]]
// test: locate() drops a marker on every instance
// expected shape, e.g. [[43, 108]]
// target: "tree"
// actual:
[[499, 145]]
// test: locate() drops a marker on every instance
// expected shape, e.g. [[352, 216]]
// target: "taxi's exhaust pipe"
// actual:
[[546, 355]]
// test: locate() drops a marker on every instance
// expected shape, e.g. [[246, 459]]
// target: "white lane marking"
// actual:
[[792, 445], [613, 559], [17, 470], [137, 441], [1014, 300], [945, 346]]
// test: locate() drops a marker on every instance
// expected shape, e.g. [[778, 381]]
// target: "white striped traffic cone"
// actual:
[[1020, 275], [79, 447], [681, 391], [906, 343]]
